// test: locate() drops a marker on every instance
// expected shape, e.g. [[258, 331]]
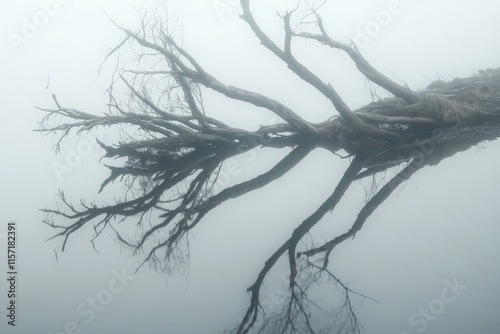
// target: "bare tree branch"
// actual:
[[171, 152]]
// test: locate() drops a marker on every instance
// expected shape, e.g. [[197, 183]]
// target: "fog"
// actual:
[[434, 239]]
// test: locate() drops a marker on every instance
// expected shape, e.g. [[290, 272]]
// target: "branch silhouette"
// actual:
[[174, 153]]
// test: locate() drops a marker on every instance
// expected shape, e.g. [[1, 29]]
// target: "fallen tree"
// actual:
[[173, 161]]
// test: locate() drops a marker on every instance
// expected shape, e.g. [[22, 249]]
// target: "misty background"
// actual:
[[443, 225]]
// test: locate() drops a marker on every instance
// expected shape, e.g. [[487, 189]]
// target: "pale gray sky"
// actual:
[[440, 229]]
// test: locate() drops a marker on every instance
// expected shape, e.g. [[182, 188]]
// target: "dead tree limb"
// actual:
[[173, 153]]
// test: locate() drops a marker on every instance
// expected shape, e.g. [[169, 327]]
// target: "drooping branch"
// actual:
[[302, 71], [291, 244], [363, 66], [380, 197], [171, 152], [198, 74], [192, 212]]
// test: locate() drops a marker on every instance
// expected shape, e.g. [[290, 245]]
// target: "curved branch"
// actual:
[[201, 76], [367, 210], [344, 183], [362, 64], [305, 74]]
